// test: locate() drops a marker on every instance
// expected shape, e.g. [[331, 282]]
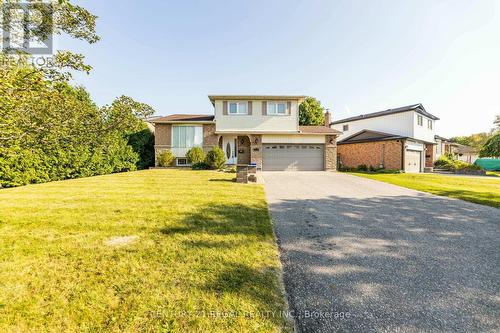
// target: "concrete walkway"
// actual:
[[365, 256]]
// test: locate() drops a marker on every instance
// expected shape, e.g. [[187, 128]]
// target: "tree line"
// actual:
[[51, 129]]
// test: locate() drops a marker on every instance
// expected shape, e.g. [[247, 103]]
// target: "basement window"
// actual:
[[182, 161]]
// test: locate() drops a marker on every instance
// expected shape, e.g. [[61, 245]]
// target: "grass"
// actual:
[[205, 258], [485, 191], [493, 173]]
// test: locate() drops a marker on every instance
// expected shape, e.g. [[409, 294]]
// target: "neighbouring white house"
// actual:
[[401, 138], [461, 152]]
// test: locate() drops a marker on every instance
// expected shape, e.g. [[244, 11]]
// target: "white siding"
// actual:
[[404, 123], [303, 138], [256, 121], [423, 132], [398, 123]]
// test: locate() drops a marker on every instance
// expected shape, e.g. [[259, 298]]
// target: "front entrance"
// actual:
[[229, 145]]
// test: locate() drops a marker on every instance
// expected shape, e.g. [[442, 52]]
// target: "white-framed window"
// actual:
[[276, 108], [420, 120], [181, 161], [238, 108], [187, 136], [345, 128], [429, 124]]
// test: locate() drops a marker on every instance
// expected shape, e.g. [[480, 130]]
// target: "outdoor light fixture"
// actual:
[[256, 140]]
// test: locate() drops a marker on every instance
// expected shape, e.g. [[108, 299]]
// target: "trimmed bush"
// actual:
[[195, 155], [200, 166], [362, 167], [216, 158], [165, 158]]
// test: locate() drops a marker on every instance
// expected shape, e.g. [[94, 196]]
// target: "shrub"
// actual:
[[195, 155], [362, 167], [216, 158], [444, 161], [165, 158], [200, 166]]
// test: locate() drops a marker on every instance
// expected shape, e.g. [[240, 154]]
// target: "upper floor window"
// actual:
[[187, 136], [238, 108], [276, 108], [429, 124], [420, 120], [345, 128]]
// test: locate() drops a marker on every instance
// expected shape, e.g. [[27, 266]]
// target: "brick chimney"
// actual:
[[328, 118]]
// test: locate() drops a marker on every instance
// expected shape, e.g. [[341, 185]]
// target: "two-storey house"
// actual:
[[401, 138], [259, 130]]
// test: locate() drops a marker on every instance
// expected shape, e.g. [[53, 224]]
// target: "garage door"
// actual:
[[412, 161], [279, 157]]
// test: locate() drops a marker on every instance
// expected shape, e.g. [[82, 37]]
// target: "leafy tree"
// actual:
[[474, 140], [311, 112], [142, 142], [50, 130], [216, 158], [491, 148], [195, 155], [59, 17]]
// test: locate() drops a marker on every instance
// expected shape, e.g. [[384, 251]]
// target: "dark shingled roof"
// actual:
[[318, 130], [415, 107], [367, 136], [184, 117]]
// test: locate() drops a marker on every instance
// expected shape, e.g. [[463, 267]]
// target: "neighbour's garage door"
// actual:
[[279, 157], [412, 161]]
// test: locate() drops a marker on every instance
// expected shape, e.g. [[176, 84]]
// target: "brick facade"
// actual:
[[388, 154], [430, 152], [330, 153], [163, 139], [210, 139]]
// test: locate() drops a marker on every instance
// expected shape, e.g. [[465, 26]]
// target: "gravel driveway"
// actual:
[[365, 256]]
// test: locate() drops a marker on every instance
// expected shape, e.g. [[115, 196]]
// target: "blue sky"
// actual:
[[354, 56]]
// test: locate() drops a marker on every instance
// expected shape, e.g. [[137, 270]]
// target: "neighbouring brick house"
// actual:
[[259, 130], [401, 138]]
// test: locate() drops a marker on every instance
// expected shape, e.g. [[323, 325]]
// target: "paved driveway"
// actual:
[[365, 256]]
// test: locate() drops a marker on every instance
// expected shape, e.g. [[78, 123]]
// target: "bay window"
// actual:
[[187, 136]]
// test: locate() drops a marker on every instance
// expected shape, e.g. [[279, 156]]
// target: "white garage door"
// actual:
[[413, 159], [279, 157]]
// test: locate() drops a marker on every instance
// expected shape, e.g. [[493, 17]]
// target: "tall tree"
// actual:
[[311, 112], [497, 123], [55, 17], [492, 147], [474, 140]]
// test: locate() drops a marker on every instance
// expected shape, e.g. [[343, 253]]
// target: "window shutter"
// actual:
[[249, 108], [224, 108], [288, 107], [264, 108]]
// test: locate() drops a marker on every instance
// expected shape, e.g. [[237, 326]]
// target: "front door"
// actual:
[[229, 146]]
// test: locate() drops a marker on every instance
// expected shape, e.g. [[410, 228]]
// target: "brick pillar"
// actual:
[[429, 155], [331, 153], [210, 139], [256, 150]]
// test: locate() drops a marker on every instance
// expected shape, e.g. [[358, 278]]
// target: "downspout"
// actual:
[[403, 144]]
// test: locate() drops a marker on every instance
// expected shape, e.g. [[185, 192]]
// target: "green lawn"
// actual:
[[484, 191], [204, 258]]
